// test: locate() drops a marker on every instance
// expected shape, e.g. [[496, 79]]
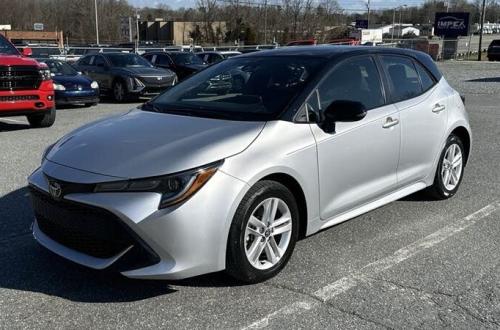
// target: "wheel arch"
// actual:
[[463, 134]]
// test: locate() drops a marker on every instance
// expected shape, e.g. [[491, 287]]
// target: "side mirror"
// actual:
[[27, 51], [343, 111]]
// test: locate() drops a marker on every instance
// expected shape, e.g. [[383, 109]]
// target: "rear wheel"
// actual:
[[450, 169], [46, 119], [263, 233]]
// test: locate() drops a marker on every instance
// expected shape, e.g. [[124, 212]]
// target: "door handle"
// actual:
[[389, 122], [438, 108]]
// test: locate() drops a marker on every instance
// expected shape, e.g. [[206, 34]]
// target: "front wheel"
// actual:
[[46, 119], [263, 233], [119, 91], [450, 169]]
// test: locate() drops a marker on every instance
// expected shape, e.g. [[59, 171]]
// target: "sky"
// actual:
[[350, 5]]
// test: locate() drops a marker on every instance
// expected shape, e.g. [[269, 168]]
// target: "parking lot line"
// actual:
[[340, 286]]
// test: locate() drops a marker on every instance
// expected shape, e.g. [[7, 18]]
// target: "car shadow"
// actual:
[[26, 266], [6, 126], [491, 79]]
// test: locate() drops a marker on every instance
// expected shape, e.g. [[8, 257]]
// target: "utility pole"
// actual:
[[481, 31], [137, 16], [400, 30], [368, 13], [96, 24], [265, 22], [393, 23]]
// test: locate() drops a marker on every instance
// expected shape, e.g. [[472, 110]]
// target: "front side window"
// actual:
[[99, 61], [252, 88], [85, 60], [355, 80], [403, 78], [7, 48]]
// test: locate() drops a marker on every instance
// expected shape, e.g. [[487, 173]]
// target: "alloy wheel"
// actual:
[[452, 166], [268, 233]]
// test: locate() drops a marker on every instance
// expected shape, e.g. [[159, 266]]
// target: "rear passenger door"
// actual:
[[358, 163], [422, 111]]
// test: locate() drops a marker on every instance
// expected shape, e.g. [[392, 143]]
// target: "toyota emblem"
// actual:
[[55, 190]]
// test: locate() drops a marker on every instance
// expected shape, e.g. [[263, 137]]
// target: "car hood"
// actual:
[[145, 71], [72, 80], [142, 144]]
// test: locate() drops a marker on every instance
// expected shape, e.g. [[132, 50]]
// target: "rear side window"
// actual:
[[403, 78], [355, 80], [425, 77]]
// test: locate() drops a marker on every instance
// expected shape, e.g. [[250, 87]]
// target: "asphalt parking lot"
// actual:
[[414, 263]]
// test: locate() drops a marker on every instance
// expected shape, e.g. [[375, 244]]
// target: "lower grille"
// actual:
[[80, 227], [11, 98], [19, 78]]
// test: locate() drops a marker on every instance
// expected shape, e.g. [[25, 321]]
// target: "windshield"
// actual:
[[59, 68], [255, 88], [7, 48], [128, 60], [185, 58]]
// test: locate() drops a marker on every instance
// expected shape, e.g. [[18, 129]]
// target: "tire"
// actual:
[[119, 91], [246, 240], [88, 105], [445, 183], [42, 120]]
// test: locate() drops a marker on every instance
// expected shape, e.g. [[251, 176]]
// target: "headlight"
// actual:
[[45, 73], [59, 87], [94, 85], [174, 188]]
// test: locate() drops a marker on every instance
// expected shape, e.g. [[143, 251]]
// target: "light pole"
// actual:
[[481, 31], [399, 29], [368, 14], [265, 22], [96, 24], [137, 16], [393, 23]]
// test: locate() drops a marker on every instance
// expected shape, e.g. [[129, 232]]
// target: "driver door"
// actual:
[[358, 163]]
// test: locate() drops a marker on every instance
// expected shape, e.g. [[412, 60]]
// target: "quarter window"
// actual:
[[425, 77], [403, 78], [355, 80]]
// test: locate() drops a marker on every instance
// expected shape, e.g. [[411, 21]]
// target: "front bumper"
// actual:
[[23, 102], [77, 97], [188, 239]]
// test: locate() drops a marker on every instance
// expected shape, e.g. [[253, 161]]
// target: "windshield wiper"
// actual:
[[148, 106]]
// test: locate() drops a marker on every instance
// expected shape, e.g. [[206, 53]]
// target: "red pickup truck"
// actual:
[[26, 87]]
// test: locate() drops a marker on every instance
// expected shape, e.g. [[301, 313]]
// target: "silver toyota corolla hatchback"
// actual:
[[211, 176]]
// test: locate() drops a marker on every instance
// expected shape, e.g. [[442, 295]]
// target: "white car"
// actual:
[[196, 181]]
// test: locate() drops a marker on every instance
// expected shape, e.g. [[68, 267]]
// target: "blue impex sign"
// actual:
[[361, 24], [451, 24]]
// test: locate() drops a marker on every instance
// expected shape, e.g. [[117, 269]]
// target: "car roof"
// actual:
[[334, 51]]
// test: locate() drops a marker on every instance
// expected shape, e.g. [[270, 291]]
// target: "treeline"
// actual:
[[248, 21]]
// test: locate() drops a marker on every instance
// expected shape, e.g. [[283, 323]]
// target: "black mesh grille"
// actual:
[[12, 98], [80, 227], [19, 78]]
